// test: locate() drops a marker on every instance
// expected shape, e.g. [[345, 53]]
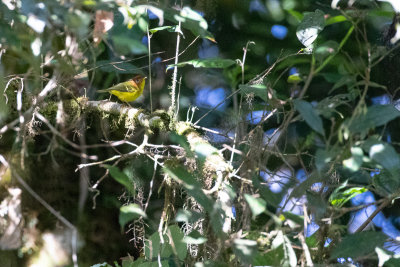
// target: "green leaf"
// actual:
[[8, 36], [385, 183], [129, 213], [289, 256], [188, 216], [335, 19], [245, 249], [309, 28], [259, 90], [294, 217], [152, 247], [310, 115], [192, 186], [383, 154], [3, 106], [177, 242], [271, 258], [323, 157], [358, 245], [195, 238], [173, 237], [190, 20], [136, 15], [375, 116], [206, 63], [257, 205], [168, 28], [121, 178], [203, 150], [394, 3], [338, 198], [294, 78], [354, 163], [299, 190], [297, 15], [128, 45]]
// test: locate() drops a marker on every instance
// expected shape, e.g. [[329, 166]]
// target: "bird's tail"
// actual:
[[103, 91]]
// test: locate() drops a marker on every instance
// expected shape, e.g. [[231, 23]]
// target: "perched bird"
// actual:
[[127, 91]]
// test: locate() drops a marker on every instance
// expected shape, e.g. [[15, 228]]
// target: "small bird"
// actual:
[[127, 91]]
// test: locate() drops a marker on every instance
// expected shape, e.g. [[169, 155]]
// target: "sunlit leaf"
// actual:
[[266, 193], [162, 28], [294, 217], [388, 258], [354, 163], [294, 78], [309, 28], [384, 154], [188, 216], [289, 256], [130, 212], [190, 20], [206, 63], [257, 205], [339, 198], [310, 115], [204, 150], [245, 249], [194, 238], [132, 14]]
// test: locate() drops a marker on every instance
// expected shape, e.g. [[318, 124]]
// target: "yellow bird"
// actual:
[[127, 91]]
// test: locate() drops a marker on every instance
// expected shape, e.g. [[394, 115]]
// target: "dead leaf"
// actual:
[[103, 23]]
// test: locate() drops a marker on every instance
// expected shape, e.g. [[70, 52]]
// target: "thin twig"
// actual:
[[175, 74], [149, 48], [372, 216]]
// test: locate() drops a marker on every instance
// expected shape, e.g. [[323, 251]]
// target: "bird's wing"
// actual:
[[119, 88]]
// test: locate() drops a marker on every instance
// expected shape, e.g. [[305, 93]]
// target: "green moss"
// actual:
[[50, 111], [183, 128]]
